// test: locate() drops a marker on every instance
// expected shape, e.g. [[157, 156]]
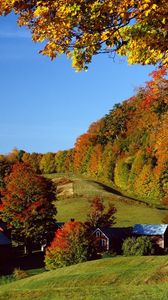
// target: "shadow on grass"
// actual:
[[113, 191], [125, 198], [106, 188]]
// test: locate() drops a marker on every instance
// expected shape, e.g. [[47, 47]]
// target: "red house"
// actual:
[[106, 239]]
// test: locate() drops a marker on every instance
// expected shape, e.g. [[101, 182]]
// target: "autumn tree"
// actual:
[[108, 162], [47, 163], [99, 216], [129, 145], [13, 156], [27, 205], [7, 161], [81, 29], [5, 168], [64, 161], [82, 152], [68, 161], [69, 246], [33, 159], [95, 159]]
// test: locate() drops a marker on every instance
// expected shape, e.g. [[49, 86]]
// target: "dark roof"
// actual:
[[116, 232], [149, 229], [4, 240], [3, 225], [59, 224]]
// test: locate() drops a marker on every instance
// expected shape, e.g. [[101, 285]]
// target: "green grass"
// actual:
[[118, 278], [129, 211], [10, 278]]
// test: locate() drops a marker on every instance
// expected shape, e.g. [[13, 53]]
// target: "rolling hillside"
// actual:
[[129, 211], [127, 147], [117, 278]]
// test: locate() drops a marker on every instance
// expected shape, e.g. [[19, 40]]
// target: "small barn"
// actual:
[[158, 233], [4, 241], [106, 239], [5, 246]]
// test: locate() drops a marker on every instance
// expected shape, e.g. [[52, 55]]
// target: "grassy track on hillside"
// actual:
[[129, 211], [118, 278]]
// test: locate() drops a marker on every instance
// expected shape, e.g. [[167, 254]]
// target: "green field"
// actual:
[[117, 278], [129, 211]]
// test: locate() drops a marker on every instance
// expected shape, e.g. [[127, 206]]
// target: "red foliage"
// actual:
[[154, 87], [63, 235], [82, 145], [149, 150], [158, 74], [27, 200], [70, 246], [99, 216], [60, 239], [95, 159]]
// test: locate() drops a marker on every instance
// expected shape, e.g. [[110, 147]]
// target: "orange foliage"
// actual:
[[27, 202]]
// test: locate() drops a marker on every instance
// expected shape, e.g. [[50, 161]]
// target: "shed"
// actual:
[[5, 247], [158, 233], [4, 241]]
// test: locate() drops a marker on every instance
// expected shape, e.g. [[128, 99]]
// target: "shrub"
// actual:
[[70, 246], [19, 274], [137, 246]]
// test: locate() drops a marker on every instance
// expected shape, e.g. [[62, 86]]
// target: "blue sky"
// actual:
[[46, 105]]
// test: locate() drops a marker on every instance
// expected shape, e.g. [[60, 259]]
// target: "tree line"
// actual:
[[128, 146]]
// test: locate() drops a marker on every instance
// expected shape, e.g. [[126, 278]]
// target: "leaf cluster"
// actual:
[[26, 204], [137, 246], [70, 246], [99, 216], [81, 29]]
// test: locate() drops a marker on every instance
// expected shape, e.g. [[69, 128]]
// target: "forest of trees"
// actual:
[[128, 146]]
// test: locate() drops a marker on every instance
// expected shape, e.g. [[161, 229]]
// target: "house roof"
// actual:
[[4, 240], [2, 225], [149, 229], [115, 232], [59, 224]]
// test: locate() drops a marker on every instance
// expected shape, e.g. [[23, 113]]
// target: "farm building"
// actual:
[[110, 238], [157, 233], [5, 243]]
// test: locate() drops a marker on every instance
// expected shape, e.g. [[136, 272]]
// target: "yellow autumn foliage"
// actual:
[[81, 29]]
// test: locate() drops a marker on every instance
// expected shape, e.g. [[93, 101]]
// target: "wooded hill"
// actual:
[[128, 146]]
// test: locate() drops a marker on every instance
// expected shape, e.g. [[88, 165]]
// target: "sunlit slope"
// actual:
[[129, 211]]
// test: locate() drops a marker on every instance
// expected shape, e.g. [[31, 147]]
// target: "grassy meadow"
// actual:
[[129, 211], [117, 278], [111, 278]]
